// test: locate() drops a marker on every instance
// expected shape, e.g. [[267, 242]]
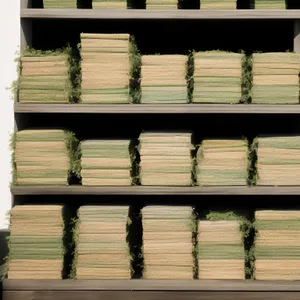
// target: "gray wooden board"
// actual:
[[154, 190], [150, 295], [152, 285], [156, 108]]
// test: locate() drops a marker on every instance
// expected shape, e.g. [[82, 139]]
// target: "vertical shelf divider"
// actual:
[[297, 36]]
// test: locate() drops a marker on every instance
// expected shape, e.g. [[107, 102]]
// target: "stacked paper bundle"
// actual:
[[217, 4], [277, 254], [44, 78], [41, 157], [278, 161], [217, 77], [161, 4], [105, 68], [60, 3], [165, 158], [220, 250], [167, 242], [267, 4], [101, 248], [276, 78], [106, 162], [109, 4], [222, 162], [36, 242], [163, 79]]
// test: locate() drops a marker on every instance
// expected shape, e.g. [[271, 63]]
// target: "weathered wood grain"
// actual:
[[154, 190], [44, 108], [152, 285]]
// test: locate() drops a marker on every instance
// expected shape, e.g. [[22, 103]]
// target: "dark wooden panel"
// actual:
[[157, 109], [153, 190], [150, 285], [66, 295], [96, 295], [215, 296], [161, 14]]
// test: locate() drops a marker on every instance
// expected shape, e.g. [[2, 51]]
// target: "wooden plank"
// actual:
[[159, 14], [94, 295], [153, 190], [297, 36], [22, 108], [66, 295], [152, 285], [215, 295]]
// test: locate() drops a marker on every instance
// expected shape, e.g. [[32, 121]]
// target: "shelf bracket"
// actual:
[[297, 36]]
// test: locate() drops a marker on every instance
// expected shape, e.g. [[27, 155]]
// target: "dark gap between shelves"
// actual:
[[107, 126], [173, 36]]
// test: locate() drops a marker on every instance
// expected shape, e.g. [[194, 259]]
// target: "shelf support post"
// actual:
[[297, 36], [26, 3], [26, 33], [26, 26]]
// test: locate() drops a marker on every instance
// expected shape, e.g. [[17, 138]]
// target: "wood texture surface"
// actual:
[[94, 295], [148, 290], [159, 14], [156, 109], [153, 190], [152, 285]]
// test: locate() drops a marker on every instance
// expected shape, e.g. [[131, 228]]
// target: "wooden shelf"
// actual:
[[144, 14], [148, 285], [153, 190], [156, 108], [149, 290]]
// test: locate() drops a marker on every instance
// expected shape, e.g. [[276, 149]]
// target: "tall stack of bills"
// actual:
[[217, 77], [41, 157], [36, 248], [167, 242], [106, 162], [60, 3], [222, 162], [273, 4], [165, 158], [102, 251], [277, 254], [276, 78], [44, 78], [218, 4], [164, 79], [220, 249], [278, 160], [105, 68]]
